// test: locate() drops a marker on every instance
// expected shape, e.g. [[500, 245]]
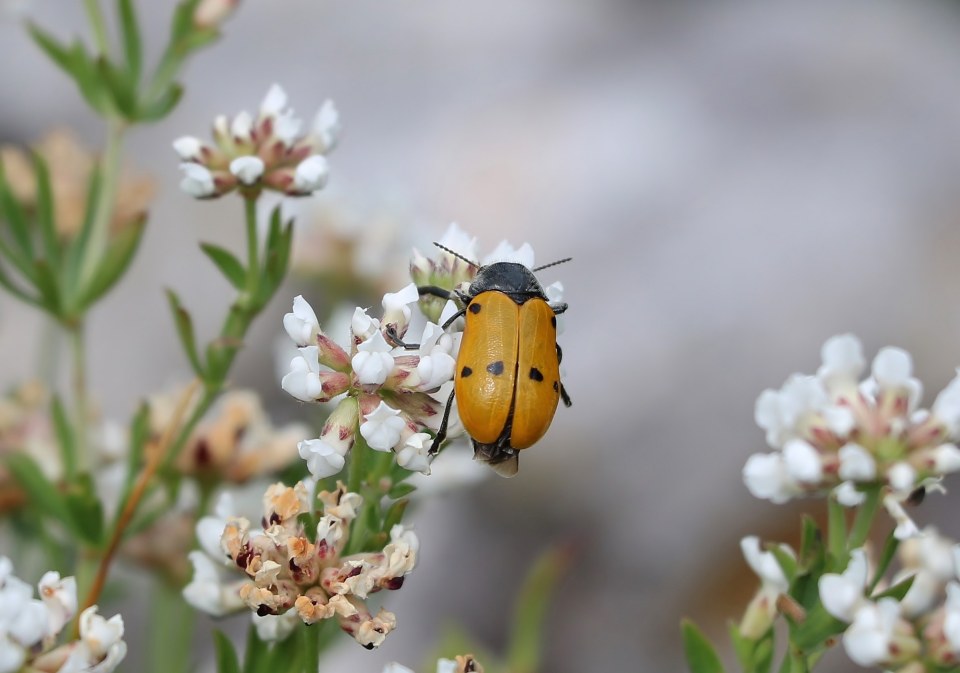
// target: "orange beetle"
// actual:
[[507, 381]]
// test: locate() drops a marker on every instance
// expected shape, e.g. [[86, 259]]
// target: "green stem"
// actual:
[[106, 201], [864, 519], [311, 655], [95, 14], [837, 531], [81, 413], [253, 247]]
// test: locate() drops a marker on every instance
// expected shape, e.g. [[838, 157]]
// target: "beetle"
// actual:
[[507, 379]]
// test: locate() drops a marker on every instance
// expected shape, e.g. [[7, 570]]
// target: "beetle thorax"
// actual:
[[511, 278]]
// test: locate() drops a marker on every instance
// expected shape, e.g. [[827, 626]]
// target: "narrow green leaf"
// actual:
[[257, 652], [763, 653], [837, 531], [16, 218], [229, 265], [89, 80], [818, 626], [742, 647], [183, 20], [122, 92], [162, 105], [394, 514], [401, 490], [45, 212], [49, 287], [701, 657], [17, 291], [226, 655], [114, 263], [78, 246], [786, 561], [67, 445], [811, 541], [86, 511], [184, 324], [49, 45], [139, 436], [898, 590], [529, 619], [886, 556], [43, 493], [132, 44]]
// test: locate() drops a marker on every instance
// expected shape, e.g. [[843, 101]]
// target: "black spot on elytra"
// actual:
[[475, 308], [535, 374], [556, 386], [495, 368], [465, 372], [553, 321]]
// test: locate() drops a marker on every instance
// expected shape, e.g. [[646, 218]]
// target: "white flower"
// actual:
[[382, 427], [396, 305], [303, 379], [211, 13], [946, 408], [504, 252], [197, 180], [765, 565], [209, 529], [241, 127], [929, 557], [287, 127], [274, 628], [206, 592], [946, 459], [12, 655], [842, 594], [848, 495], [101, 647], [780, 412], [60, 597], [906, 528], [856, 463], [32, 624], [802, 461], [868, 639], [311, 174], [247, 169], [414, 454], [326, 127], [274, 102], [446, 666], [394, 667], [373, 362], [302, 324], [902, 477], [363, 326], [766, 477], [323, 459], [951, 621], [188, 147], [843, 360]]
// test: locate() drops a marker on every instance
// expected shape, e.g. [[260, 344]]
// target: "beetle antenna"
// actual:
[[456, 254], [547, 266]]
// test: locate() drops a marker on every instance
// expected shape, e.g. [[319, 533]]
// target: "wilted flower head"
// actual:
[[269, 151], [288, 568], [833, 432]]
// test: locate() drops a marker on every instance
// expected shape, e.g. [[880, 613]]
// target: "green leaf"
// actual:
[[837, 531], [898, 590], [86, 511], [122, 92], [114, 263], [257, 652], [886, 556], [130, 31], [743, 647], [811, 541], [229, 265], [226, 655], [401, 490], [183, 20], [13, 213], [77, 247], [786, 561], [49, 45], [394, 514], [526, 640], [818, 626], [763, 653], [75, 62], [139, 436], [45, 212], [17, 291], [49, 287], [43, 493], [68, 447], [162, 105], [184, 324], [701, 657]]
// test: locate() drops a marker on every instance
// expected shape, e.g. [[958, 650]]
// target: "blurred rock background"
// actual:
[[736, 182]]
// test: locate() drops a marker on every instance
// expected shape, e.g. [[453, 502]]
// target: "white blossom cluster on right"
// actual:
[[835, 433]]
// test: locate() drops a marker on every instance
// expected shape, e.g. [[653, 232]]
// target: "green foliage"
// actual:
[[701, 657]]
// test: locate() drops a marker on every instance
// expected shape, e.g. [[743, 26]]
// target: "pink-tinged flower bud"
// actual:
[[247, 169], [210, 14], [301, 324]]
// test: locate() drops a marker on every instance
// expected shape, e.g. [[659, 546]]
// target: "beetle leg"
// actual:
[[559, 308], [394, 338], [442, 431], [565, 397], [436, 291]]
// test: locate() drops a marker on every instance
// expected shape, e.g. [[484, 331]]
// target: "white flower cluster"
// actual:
[[899, 635], [270, 151], [389, 390], [29, 628], [836, 433], [462, 664], [288, 577]]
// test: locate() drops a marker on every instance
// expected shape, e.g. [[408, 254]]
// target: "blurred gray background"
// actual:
[[736, 181]]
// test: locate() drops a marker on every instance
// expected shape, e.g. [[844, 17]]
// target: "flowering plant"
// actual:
[[162, 493], [858, 444]]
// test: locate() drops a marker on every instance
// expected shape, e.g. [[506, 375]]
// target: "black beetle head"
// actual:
[[511, 278]]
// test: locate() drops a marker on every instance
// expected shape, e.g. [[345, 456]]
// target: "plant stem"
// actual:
[[864, 519], [95, 14], [81, 413], [253, 247], [106, 201], [837, 531]]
